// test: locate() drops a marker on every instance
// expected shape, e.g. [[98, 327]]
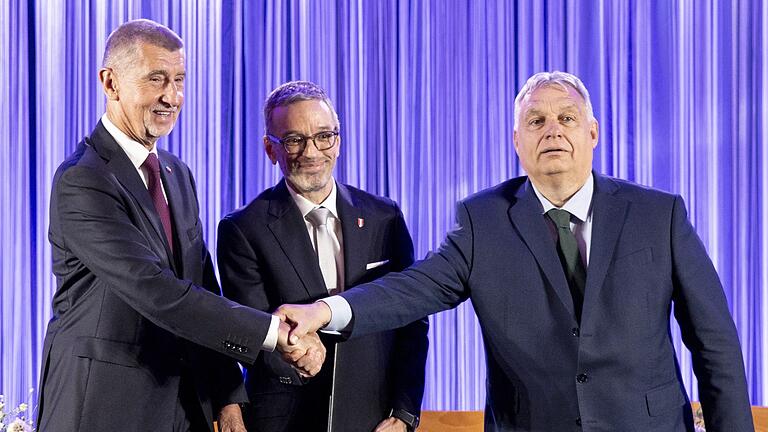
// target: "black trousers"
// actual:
[[291, 408], [189, 416]]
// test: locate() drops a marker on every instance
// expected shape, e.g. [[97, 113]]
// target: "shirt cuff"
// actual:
[[270, 342], [341, 314]]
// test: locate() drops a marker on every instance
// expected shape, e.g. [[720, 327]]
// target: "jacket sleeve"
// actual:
[[437, 283], [242, 281], [96, 227], [411, 342], [707, 329], [225, 379]]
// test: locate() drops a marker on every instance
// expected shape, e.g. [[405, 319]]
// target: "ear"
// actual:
[[270, 150], [594, 132], [515, 139], [109, 83]]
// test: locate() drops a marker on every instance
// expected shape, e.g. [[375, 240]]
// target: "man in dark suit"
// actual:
[[573, 276], [277, 249], [140, 338]]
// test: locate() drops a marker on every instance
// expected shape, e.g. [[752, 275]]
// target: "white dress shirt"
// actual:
[[334, 227], [136, 152], [579, 205]]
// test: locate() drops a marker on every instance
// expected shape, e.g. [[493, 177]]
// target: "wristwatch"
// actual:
[[410, 420]]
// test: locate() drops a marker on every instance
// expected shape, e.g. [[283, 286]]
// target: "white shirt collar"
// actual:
[[578, 205], [306, 206], [136, 152]]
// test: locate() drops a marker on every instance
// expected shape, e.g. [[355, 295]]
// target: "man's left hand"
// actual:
[[391, 424], [231, 419]]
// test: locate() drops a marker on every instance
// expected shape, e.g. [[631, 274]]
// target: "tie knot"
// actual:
[[152, 163], [561, 218], [318, 216]]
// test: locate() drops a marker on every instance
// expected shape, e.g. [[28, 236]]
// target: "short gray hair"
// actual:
[[292, 92], [555, 78], [123, 42]]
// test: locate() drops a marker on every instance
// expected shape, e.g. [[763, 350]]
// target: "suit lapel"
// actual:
[[526, 215], [354, 236], [608, 216], [123, 169], [173, 193], [290, 232]]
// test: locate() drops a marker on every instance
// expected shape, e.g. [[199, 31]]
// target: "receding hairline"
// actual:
[[124, 40], [564, 102], [294, 92], [555, 79]]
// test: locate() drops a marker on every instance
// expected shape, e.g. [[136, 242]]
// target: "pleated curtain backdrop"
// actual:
[[425, 92]]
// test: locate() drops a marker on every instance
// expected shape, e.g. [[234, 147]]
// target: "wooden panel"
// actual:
[[472, 421], [760, 414], [451, 421]]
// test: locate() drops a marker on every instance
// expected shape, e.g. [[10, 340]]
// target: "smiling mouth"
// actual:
[[312, 166], [163, 113]]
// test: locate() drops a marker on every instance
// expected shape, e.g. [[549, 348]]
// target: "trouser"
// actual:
[[189, 416]]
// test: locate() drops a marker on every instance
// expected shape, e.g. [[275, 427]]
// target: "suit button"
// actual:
[[582, 378], [575, 331], [578, 421]]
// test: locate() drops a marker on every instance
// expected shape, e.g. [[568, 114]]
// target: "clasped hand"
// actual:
[[306, 353], [298, 340]]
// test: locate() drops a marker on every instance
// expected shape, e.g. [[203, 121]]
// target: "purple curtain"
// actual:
[[425, 93]]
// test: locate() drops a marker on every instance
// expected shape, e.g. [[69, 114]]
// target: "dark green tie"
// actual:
[[568, 250]]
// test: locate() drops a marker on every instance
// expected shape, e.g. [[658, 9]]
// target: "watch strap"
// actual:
[[411, 420]]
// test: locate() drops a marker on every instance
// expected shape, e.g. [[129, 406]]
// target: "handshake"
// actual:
[[297, 338]]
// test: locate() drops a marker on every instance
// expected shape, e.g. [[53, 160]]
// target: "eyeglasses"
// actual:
[[295, 144]]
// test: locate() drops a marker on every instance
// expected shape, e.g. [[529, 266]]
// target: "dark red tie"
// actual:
[[154, 184]]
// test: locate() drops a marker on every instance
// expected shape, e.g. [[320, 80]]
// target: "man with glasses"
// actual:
[[304, 239]]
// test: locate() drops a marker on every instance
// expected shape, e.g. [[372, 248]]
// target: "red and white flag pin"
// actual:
[[360, 222]]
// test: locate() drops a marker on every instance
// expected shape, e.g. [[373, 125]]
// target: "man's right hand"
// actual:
[[304, 319], [306, 356]]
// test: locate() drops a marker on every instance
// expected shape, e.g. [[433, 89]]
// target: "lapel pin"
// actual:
[[167, 168], [360, 222]]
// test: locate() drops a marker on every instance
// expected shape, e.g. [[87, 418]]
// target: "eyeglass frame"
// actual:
[[305, 140]]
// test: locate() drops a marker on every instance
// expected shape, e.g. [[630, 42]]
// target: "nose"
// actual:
[[310, 149], [172, 94], [554, 131]]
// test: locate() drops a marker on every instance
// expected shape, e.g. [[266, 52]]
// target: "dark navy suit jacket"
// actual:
[[266, 259], [130, 318], [618, 370]]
